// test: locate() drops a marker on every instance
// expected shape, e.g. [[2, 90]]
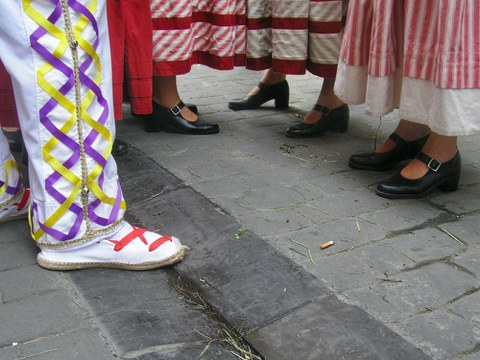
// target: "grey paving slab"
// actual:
[[226, 269], [374, 304], [401, 216], [350, 203], [342, 271], [475, 355], [469, 261], [79, 344], [140, 310], [272, 222], [38, 316], [212, 351], [465, 229], [346, 233], [17, 254], [331, 329], [144, 178], [25, 281], [427, 287], [444, 335], [18, 249], [8, 353], [276, 196], [408, 251]]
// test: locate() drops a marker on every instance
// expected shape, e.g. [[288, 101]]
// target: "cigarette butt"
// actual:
[[326, 245]]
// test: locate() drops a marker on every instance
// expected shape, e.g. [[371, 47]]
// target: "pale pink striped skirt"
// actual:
[[421, 56]]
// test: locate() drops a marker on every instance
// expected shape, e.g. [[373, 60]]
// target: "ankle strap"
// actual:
[[321, 109], [263, 86], [397, 139], [432, 163], [176, 109]]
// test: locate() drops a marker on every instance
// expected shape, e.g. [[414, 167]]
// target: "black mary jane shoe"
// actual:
[[279, 92], [402, 151], [331, 120], [119, 147], [15, 140], [171, 120], [442, 176]]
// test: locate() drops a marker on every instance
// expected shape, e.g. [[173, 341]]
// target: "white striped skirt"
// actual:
[[292, 36]]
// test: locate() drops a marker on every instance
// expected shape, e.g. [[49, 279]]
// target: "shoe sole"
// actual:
[[50, 265], [434, 189], [237, 108], [172, 129], [301, 136], [13, 218], [370, 168]]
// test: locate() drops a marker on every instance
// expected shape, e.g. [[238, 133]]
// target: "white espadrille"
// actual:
[[17, 208], [129, 248]]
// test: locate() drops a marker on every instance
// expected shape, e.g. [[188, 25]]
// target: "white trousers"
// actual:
[[59, 61]]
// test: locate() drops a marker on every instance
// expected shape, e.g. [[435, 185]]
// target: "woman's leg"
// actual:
[[408, 131], [326, 98], [269, 78], [165, 93]]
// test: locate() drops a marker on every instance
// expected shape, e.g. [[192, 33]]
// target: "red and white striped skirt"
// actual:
[[292, 36], [207, 32], [421, 56]]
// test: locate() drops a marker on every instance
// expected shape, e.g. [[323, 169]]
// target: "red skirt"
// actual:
[[130, 29], [8, 112]]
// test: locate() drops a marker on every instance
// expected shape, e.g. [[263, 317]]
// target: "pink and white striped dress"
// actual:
[[421, 56], [292, 36], [207, 32]]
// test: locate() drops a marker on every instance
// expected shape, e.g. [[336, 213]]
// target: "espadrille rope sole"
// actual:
[[12, 218], [113, 265]]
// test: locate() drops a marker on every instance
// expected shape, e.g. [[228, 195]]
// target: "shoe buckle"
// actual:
[[434, 164], [322, 109], [176, 110]]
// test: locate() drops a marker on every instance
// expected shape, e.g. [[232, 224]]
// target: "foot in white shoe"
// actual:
[[129, 248], [18, 209]]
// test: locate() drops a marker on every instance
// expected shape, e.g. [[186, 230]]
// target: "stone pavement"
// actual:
[[400, 282]]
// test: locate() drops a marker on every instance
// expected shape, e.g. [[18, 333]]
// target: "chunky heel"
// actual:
[[279, 92], [282, 101], [331, 120], [152, 125], [340, 125], [451, 184]]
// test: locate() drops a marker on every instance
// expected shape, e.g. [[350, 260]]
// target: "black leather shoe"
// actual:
[[171, 120], [279, 92], [119, 147], [443, 176], [332, 120], [402, 151], [15, 140]]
